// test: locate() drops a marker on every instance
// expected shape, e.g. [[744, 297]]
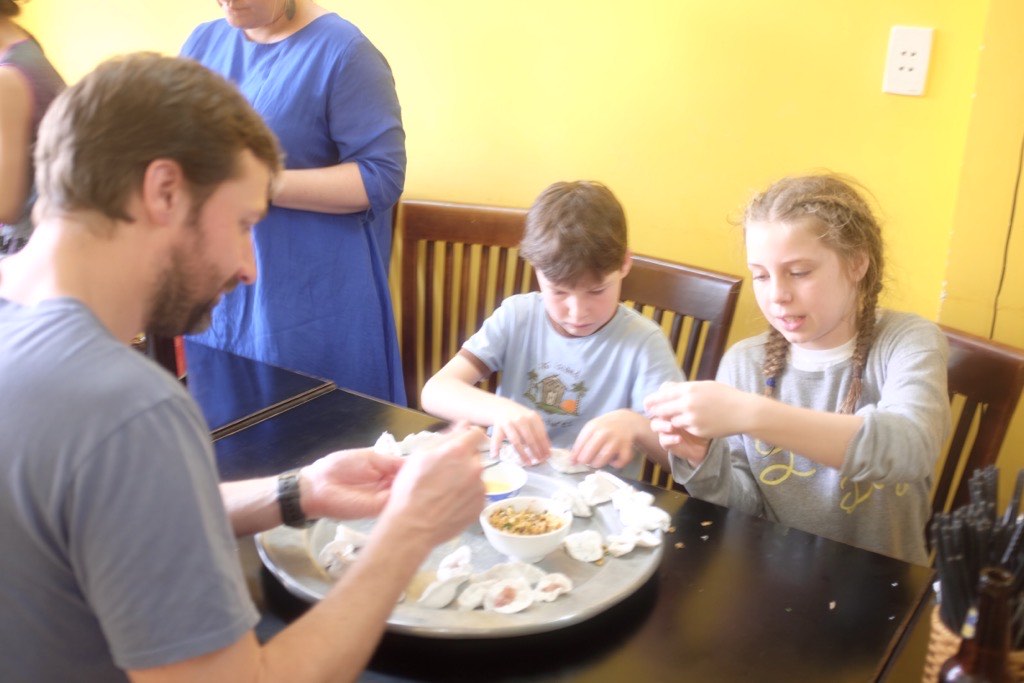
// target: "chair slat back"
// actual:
[[699, 302], [695, 308], [458, 262], [987, 377]]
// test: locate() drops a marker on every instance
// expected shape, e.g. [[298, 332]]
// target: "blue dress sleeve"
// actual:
[[365, 122]]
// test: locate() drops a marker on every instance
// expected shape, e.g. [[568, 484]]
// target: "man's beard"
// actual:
[[175, 309]]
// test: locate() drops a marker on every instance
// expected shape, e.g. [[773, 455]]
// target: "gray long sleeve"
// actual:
[[880, 499]]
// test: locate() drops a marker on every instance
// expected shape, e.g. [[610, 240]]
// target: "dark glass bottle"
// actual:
[[982, 657]]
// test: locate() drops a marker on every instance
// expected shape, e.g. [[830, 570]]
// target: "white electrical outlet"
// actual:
[[906, 65]]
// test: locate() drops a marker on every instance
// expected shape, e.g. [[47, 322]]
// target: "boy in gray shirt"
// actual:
[[575, 363]]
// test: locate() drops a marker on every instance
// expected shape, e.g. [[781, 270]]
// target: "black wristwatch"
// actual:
[[288, 500]]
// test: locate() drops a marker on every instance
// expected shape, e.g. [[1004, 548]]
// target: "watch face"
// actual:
[[288, 500]]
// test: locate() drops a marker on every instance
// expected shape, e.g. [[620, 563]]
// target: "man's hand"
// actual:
[[347, 484], [438, 491]]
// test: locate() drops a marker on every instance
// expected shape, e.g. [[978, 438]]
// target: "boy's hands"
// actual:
[[608, 439], [524, 429]]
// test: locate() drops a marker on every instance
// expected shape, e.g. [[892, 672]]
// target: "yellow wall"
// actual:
[[683, 107], [983, 296]]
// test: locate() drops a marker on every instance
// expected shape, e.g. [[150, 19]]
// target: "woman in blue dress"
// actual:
[[321, 303]]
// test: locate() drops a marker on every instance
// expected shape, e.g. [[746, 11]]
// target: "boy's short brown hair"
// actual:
[[575, 230]]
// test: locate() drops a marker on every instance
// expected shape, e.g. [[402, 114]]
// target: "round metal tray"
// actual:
[[290, 554]]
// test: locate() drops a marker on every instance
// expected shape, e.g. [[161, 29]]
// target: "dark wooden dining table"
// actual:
[[234, 392], [735, 598]]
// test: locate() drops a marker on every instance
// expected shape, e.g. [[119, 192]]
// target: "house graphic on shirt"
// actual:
[[551, 395]]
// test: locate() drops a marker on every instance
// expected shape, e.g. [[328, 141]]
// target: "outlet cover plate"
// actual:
[[906, 63]]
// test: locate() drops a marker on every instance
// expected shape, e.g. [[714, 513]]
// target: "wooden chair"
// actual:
[[695, 307], [985, 383], [458, 262]]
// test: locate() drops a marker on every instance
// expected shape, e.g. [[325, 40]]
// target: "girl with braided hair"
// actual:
[[831, 421]]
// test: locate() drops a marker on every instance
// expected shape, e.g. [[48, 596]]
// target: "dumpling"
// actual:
[[472, 596], [440, 593], [511, 570], [630, 496], [551, 586], [508, 453], [342, 551], [598, 487], [386, 445], [647, 517], [508, 596], [336, 556], [458, 563], [585, 546], [572, 500], [561, 461]]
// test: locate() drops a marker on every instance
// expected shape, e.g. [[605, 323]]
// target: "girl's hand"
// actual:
[[685, 445], [703, 409]]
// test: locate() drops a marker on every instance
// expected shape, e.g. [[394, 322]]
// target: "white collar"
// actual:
[[815, 360]]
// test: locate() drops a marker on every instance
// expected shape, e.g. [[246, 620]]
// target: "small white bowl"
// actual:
[[526, 548], [503, 480]]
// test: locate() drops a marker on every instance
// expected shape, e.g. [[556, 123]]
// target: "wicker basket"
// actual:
[[943, 644]]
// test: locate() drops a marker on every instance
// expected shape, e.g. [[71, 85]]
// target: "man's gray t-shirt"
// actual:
[[571, 380], [117, 552]]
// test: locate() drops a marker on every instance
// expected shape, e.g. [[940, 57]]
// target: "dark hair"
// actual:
[[99, 136], [574, 230], [9, 8], [844, 223]]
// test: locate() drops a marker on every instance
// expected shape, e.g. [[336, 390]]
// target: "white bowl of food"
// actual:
[[526, 528], [503, 480]]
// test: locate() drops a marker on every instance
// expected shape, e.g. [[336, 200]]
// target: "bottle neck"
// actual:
[[985, 651], [994, 609]]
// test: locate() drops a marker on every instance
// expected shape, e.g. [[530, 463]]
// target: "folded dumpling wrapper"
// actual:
[[508, 596], [551, 586], [585, 546], [458, 563], [561, 461], [440, 593]]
